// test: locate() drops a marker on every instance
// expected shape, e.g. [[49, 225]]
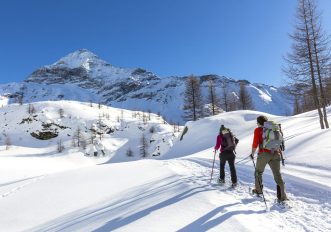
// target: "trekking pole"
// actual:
[[242, 159], [212, 170], [258, 178], [282, 158]]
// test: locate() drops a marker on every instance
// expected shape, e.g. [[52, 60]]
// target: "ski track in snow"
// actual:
[[19, 185], [305, 214]]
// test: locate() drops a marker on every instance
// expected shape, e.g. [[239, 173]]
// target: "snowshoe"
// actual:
[[220, 181], [283, 204], [254, 192]]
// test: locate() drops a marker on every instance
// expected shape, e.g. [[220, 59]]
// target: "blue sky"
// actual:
[[243, 39]]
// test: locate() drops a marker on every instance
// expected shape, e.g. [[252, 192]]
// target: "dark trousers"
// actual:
[[230, 157]]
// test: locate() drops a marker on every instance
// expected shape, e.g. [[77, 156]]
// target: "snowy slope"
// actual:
[[119, 129], [173, 193], [302, 136]]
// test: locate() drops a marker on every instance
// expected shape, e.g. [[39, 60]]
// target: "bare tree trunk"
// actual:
[[194, 102], [297, 109], [323, 99], [225, 96], [143, 146], [312, 74], [7, 141], [214, 100]]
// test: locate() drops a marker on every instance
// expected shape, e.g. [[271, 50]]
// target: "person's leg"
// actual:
[[231, 160], [222, 166], [274, 164], [279, 194], [261, 162]]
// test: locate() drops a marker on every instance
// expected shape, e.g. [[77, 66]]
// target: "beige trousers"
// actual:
[[273, 159]]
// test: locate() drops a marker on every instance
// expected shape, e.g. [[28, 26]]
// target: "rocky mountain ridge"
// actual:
[[83, 76]]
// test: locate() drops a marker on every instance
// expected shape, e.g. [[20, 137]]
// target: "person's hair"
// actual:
[[261, 119], [222, 128]]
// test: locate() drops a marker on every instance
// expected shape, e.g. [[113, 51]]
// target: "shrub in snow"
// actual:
[[28, 120], [152, 129], [60, 146], [78, 139], [61, 112], [129, 152], [7, 142], [31, 110]]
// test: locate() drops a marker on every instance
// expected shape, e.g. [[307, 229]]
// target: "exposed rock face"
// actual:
[[44, 135]]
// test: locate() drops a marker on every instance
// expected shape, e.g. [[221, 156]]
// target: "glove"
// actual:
[[252, 156]]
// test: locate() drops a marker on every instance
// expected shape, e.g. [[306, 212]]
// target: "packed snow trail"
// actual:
[[310, 201], [161, 195]]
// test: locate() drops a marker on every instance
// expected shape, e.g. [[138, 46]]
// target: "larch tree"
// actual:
[[213, 99], [245, 99], [328, 88], [143, 146], [193, 104], [309, 58], [225, 102], [321, 52]]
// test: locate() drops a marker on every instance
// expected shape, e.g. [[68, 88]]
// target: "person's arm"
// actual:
[[255, 143], [218, 143], [253, 152]]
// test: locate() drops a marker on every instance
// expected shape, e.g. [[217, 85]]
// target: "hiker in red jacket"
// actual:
[[265, 157], [226, 154]]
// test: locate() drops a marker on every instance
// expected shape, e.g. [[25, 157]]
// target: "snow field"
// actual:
[[42, 190]]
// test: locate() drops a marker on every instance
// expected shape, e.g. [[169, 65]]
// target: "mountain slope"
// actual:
[[83, 76], [107, 130]]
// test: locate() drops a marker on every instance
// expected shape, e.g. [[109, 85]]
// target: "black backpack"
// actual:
[[229, 141]]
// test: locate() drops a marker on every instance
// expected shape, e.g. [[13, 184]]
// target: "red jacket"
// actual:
[[258, 140], [218, 143]]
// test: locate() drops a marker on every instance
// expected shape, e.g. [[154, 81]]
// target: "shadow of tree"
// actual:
[[137, 200], [204, 223]]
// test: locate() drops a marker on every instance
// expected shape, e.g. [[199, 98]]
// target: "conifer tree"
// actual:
[[193, 105], [245, 99], [213, 99], [143, 146]]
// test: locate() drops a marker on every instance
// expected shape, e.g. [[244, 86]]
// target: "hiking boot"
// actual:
[[234, 185], [254, 191], [282, 200], [221, 181]]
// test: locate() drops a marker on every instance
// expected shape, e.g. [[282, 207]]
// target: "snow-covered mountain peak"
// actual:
[[80, 58], [81, 66]]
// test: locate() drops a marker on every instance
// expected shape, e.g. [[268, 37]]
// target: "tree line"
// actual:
[[195, 106]]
